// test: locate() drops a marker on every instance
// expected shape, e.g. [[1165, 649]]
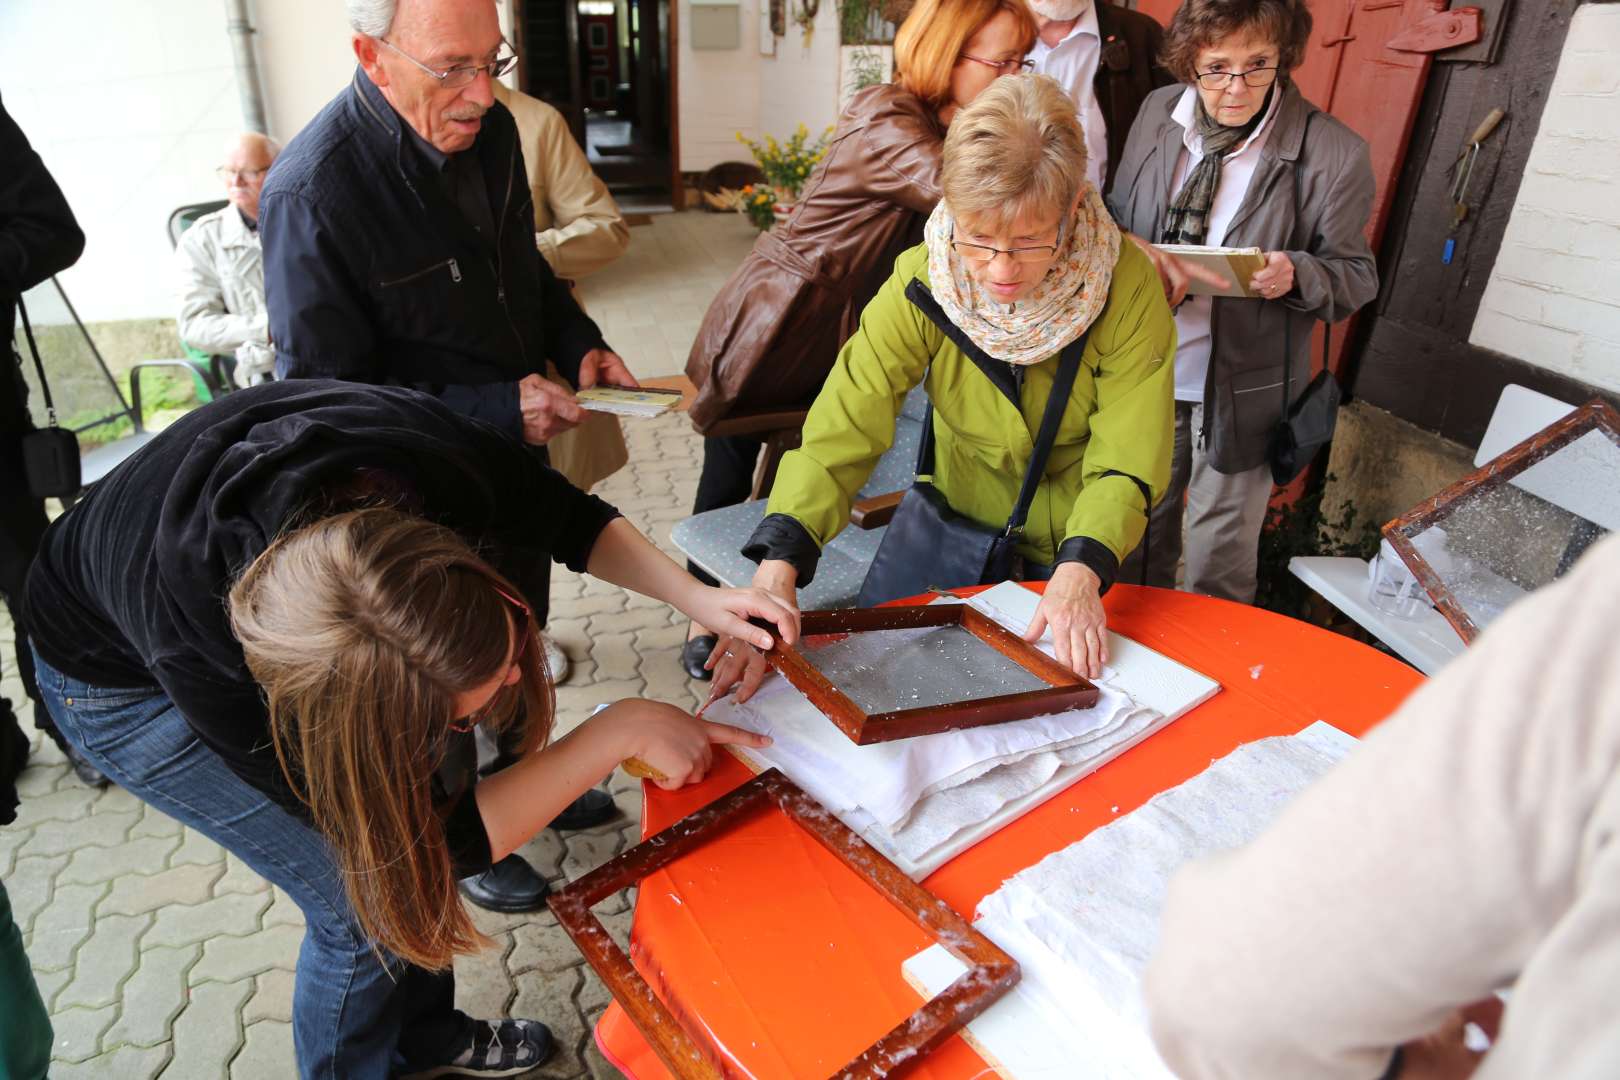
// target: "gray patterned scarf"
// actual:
[[1187, 219]]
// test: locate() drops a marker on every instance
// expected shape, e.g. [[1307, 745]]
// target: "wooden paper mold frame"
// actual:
[[1065, 690], [1595, 415], [990, 973]]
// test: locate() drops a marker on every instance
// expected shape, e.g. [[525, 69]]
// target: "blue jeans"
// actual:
[[353, 1016]]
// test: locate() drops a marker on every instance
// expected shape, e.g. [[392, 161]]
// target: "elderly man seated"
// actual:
[[222, 309]]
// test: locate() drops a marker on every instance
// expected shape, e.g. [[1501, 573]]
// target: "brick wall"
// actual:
[[1554, 295]]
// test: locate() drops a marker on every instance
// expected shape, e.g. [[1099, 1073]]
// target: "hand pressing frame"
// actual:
[[990, 973], [922, 670]]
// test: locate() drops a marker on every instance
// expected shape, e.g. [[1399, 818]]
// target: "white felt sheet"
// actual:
[[1083, 922], [924, 801]]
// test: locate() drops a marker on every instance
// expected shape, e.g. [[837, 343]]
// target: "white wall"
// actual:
[[1554, 294], [717, 91], [799, 85], [130, 118], [724, 91], [304, 59]]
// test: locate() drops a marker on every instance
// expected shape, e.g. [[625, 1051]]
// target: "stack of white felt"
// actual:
[[921, 801], [1083, 922]]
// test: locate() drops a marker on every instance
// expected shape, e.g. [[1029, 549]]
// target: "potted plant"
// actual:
[[786, 165]]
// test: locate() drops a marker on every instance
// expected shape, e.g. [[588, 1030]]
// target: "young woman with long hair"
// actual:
[[280, 622]]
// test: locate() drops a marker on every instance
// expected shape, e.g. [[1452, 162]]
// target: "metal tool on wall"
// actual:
[[1462, 171]]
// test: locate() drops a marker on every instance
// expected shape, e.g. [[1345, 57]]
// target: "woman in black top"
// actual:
[[279, 621]]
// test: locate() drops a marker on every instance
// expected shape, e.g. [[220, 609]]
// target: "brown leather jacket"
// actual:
[[771, 335]]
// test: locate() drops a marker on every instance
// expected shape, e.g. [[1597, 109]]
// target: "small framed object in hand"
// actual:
[[626, 401], [895, 673], [1236, 265]]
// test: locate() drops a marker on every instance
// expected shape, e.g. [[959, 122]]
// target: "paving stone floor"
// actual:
[[161, 955]]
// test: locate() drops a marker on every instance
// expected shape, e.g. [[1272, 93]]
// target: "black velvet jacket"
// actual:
[[373, 272], [129, 587]]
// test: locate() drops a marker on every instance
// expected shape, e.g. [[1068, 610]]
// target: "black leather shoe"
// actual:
[[510, 885], [88, 774], [695, 653], [592, 808]]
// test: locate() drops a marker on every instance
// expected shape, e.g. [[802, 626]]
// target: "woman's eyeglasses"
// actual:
[[1003, 67], [520, 623], [1220, 80], [450, 78], [984, 253]]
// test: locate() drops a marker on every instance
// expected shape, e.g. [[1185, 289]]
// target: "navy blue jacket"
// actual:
[[372, 273]]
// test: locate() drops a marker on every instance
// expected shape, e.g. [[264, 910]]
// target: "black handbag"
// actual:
[[929, 545], [1307, 424], [50, 454]]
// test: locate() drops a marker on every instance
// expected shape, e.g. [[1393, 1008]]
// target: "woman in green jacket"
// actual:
[[1020, 260]]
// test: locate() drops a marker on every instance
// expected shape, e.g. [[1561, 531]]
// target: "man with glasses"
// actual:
[[1106, 57], [221, 265], [399, 247]]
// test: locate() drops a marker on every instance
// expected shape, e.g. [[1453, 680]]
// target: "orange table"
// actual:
[[790, 963]]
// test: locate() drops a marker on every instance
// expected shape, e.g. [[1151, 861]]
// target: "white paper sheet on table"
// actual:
[[1083, 922], [887, 779]]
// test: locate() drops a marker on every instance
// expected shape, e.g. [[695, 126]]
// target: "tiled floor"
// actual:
[[160, 954]]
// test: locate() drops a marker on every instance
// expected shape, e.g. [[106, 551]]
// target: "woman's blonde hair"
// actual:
[[362, 628], [929, 43], [1018, 148]]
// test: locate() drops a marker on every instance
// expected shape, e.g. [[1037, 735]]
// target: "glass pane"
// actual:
[[917, 668], [1496, 544]]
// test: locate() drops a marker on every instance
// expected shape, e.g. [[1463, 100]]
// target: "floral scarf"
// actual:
[[1062, 306]]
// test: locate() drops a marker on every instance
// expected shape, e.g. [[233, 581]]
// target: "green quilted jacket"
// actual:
[[1111, 460]]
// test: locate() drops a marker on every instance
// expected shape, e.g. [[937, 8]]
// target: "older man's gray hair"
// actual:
[[371, 17]]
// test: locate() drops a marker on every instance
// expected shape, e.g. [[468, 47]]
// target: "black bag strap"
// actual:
[[1288, 324], [1062, 386], [44, 385]]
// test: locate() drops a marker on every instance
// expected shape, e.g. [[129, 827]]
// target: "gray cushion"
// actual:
[[714, 539]]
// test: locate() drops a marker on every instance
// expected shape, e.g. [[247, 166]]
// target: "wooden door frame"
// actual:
[[672, 40]]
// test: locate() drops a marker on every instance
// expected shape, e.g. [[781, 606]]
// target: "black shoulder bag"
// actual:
[[51, 453], [1307, 425], [928, 544]]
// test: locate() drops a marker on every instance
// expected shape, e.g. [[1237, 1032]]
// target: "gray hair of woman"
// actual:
[[374, 18], [1018, 148]]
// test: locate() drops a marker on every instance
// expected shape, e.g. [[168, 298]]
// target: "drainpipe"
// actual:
[[247, 66]]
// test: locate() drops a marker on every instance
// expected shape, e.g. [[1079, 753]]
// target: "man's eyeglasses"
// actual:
[[459, 76], [520, 623], [1003, 67], [1220, 80], [984, 253], [251, 176]]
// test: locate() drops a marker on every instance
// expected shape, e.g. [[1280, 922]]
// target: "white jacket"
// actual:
[[221, 269]]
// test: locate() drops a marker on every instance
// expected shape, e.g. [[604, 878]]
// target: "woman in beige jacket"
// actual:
[[579, 230]]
